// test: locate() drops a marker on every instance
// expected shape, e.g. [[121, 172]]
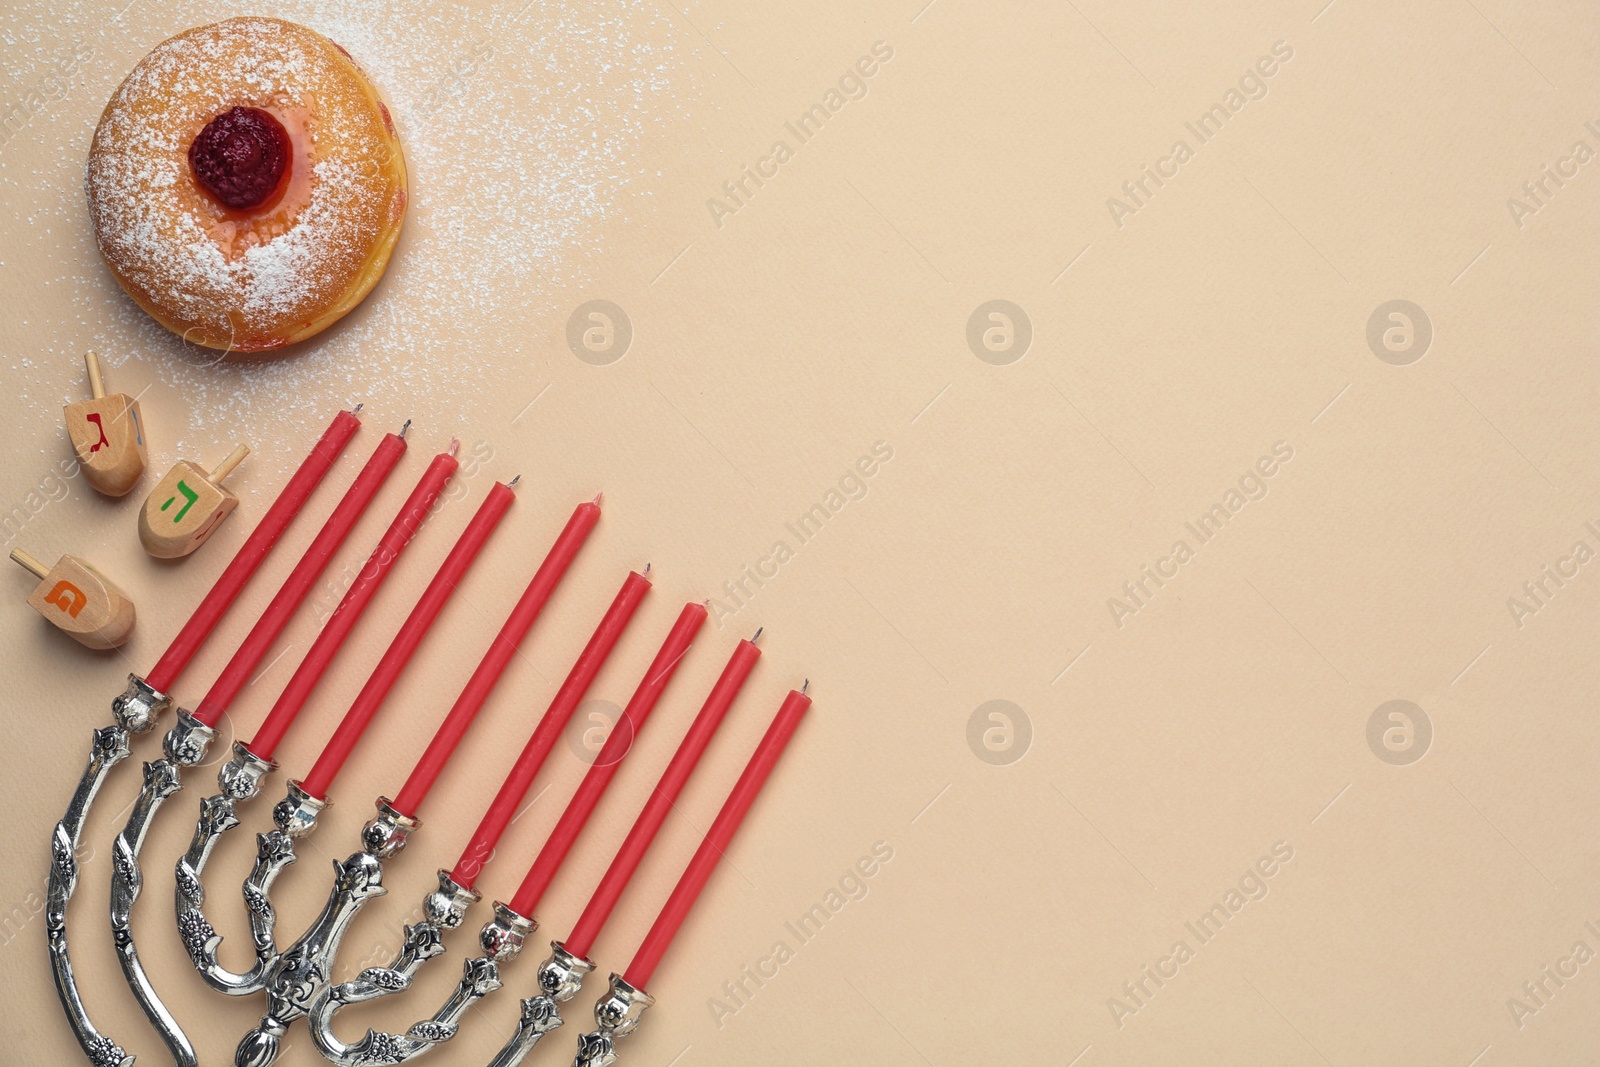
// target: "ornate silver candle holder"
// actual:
[[616, 1015], [295, 816], [502, 939], [185, 745], [443, 909], [295, 979], [135, 711], [560, 977]]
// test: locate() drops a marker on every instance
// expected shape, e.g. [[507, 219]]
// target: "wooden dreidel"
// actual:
[[75, 599], [185, 506], [108, 435]]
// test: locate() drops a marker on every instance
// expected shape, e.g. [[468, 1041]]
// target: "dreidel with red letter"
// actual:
[[79, 601], [108, 435], [186, 506]]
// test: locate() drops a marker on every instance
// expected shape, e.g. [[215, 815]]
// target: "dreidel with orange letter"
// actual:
[[186, 506], [79, 601], [108, 435]]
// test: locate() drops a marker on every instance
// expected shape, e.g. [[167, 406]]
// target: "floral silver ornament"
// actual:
[[443, 909], [296, 980], [616, 1014], [560, 978], [239, 781]]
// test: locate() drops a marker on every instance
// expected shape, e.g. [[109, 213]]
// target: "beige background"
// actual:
[[565, 152]]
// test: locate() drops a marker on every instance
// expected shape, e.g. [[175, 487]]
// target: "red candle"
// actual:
[[405, 642], [661, 801], [295, 587], [356, 598], [252, 552], [611, 755], [717, 839], [493, 664], [504, 807]]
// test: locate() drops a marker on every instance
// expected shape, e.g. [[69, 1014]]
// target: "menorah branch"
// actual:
[[136, 710], [298, 977]]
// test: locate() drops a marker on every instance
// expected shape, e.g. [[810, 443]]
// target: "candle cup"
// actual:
[[616, 1015], [136, 711]]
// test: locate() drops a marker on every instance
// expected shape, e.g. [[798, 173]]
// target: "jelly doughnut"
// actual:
[[246, 184]]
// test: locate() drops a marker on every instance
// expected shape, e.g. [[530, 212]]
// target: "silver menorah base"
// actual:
[[443, 909], [295, 980]]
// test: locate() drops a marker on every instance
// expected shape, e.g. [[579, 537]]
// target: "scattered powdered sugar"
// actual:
[[522, 134]]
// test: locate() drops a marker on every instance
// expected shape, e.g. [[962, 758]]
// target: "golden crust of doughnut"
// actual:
[[256, 280]]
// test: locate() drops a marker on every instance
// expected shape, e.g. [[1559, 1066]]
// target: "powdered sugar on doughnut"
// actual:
[[159, 231]]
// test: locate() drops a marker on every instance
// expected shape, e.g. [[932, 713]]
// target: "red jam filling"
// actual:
[[240, 157]]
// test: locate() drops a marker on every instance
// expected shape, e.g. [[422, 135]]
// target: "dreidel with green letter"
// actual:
[[186, 506], [107, 434], [79, 601]]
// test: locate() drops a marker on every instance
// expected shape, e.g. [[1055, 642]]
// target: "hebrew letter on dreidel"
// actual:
[[77, 600], [94, 417], [190, 497], [68, 597], [186, 506]]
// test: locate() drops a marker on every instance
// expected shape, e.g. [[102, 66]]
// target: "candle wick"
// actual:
[[757, 635], [804, 686], [455, 446], [405, 429], [646, 572], [357, 409], [598, 497], [512, 484]]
